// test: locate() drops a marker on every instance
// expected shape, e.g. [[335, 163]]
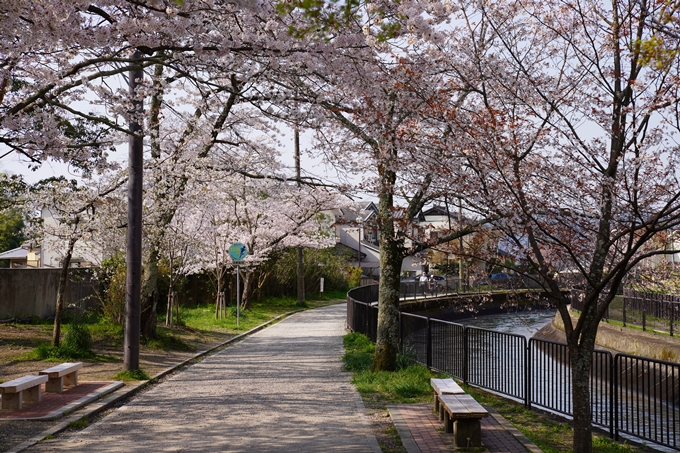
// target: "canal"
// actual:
[[525, 323]]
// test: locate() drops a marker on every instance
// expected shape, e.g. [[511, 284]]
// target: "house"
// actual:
[[356, 231], [48, 254], [25, 256]]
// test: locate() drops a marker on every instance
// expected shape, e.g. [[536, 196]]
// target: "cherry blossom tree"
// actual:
[[68, 215], [265, 215], [569, 137], [369, 102]]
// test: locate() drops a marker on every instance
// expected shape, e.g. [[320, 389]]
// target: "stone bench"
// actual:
[[60, 375], [462, 417], [15, 391], [444, 387]]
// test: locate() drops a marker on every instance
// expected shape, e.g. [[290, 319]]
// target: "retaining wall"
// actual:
[[25, 293]]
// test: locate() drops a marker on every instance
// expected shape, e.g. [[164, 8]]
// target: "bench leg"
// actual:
[[33, 394], [11, 401], [436, 402], [448, 423], [71, 379], [467, 432], [55, 385]]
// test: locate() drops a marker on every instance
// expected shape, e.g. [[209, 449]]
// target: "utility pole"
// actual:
[[460, 243], [133, 285], [300, 251]]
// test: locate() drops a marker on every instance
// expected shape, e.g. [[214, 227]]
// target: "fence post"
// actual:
[[401, 334], [466, 356], [644, 320], [614, 384], [624, 312], [527, 375], [672, 315], [612, 397], [428, 359]]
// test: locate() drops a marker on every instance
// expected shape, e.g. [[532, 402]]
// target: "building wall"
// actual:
[[26, 293]]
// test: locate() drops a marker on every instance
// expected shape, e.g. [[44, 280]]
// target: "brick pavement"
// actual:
[[422, 432], [53, 404]]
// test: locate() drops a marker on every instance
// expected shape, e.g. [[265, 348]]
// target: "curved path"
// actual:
[[279, 390]]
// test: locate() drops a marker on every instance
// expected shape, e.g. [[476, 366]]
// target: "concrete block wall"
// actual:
[[26, 293]]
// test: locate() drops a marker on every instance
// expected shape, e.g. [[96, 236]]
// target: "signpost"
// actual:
[[238, 251]]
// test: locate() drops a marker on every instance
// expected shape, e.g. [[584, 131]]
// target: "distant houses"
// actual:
[[32, 255], [357, 233]]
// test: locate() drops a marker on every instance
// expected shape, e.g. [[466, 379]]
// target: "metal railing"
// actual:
[[650, 311], [630, 395]]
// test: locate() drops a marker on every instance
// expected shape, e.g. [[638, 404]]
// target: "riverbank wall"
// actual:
[[618, 339]]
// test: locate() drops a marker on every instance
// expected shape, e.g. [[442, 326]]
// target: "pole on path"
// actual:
[[133, 284], [238, 295], [300, 251]]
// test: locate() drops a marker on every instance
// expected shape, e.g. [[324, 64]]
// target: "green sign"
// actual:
[[238, 251]]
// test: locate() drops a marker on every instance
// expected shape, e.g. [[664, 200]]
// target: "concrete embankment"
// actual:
[[621, 339]]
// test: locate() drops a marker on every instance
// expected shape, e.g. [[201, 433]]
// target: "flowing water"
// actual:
[[525, 323]]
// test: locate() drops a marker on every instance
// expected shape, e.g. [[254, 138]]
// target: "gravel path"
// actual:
[[280, 390]]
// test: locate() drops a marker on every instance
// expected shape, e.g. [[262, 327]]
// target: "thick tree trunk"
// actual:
[[63, 276], [387, 341], [580, 380], [581, 347], [150, 295]]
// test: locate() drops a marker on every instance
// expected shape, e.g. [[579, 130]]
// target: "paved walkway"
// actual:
[[421, 432], [280, 390]]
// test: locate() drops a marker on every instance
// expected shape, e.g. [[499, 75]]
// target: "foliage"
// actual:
[[80, 423], [78, 337], [12, 229], [318, 263], [111, 292], [132, 375], [354, 276]]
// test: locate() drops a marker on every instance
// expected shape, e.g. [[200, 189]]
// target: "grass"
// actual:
[[79, 424], [411, 384], [134, 375], [202, 317]]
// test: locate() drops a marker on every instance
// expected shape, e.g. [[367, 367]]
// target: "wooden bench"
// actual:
[[444, 387], [15, 391], [60, 375], [462, 417]]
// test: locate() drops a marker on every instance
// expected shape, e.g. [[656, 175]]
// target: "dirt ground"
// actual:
[[18, 340]]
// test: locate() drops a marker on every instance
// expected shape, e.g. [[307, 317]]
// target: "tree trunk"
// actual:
[[63, 276], [150, 295], [580, 380], [247, 289], [581, 344], [391, 257], [220, 289]]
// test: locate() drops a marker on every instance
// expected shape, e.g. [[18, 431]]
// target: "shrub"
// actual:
[[78, 337]]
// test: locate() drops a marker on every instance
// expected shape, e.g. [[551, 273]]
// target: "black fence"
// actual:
[[650, 311], [413, 288], [630, 395]]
